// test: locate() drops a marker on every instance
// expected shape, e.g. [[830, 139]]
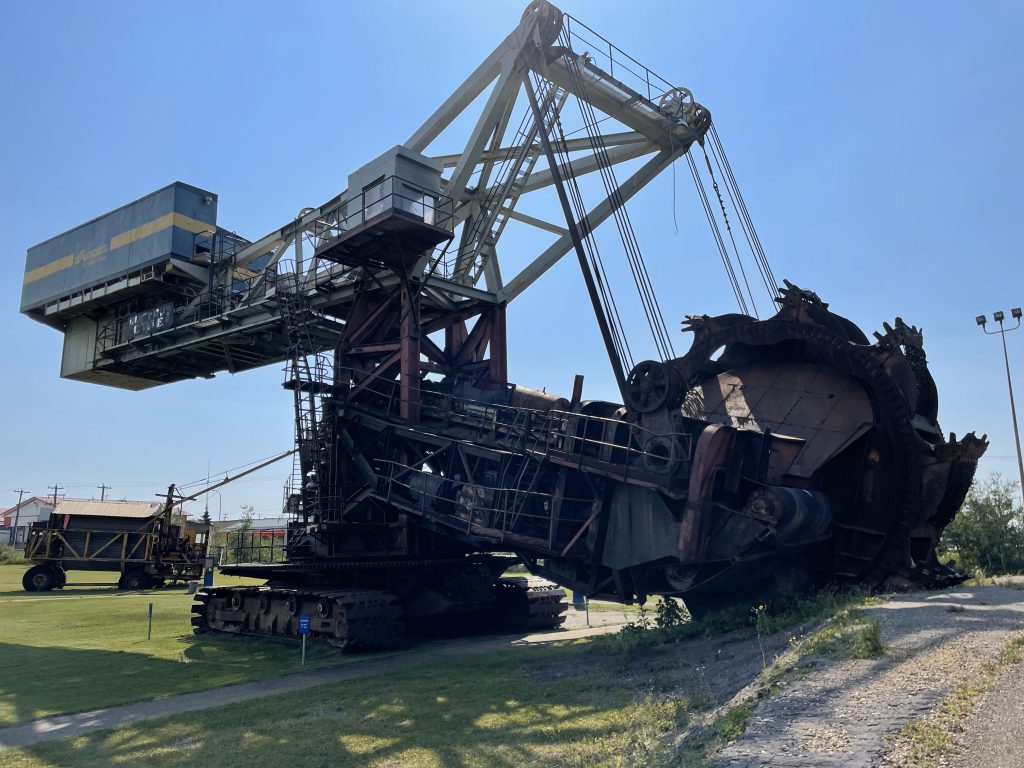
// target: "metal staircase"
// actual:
[[309, 374]]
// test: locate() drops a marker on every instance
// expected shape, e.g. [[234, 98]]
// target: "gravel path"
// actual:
[[841, 712], [992, 734], [63, 726]]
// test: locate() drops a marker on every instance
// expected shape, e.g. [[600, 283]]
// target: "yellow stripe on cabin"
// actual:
[[48, 269], [172, 219]]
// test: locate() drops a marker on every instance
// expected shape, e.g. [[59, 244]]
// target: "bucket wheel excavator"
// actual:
[[777, 453]]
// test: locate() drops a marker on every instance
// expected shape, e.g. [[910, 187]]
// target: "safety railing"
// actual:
[[391, 194], [457, 501], [219, 246], [612, 60], [254, 546], [627, 449]]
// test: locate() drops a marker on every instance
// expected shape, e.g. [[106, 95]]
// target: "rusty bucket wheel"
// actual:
[[893, 416]]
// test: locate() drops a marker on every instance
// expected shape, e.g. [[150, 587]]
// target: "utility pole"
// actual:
[[17, 513], [103, 491], [998, 317], [206, 507], [55, 489]]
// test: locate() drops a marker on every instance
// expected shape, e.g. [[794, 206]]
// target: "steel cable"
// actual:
[[728, 228], [608, 302], [638, 267], [743, 224], [722, 251], [745, 213]]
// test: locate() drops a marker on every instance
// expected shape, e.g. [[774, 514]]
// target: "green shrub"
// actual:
[[670, 613], [868, 643], [987, 535], [733, 723], [9, 555]]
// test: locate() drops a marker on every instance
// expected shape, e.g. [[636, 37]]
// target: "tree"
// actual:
[[242, 537], [988, 532]]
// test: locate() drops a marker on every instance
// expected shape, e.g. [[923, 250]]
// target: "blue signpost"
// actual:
[[303, 630]]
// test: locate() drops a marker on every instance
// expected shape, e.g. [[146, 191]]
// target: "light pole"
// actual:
[[999, 317], [220, 506]]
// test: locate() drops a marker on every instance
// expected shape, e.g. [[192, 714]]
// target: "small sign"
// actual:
[[303, 623], [152, 320]]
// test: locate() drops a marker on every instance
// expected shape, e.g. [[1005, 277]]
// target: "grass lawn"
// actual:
[[82, 648], [526, 707], [614, 700]]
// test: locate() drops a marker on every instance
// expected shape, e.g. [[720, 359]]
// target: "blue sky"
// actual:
[[876, 144]]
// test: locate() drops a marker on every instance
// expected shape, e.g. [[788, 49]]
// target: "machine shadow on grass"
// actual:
[[41, 681], [51, 680], [472, 704], [537, 706]]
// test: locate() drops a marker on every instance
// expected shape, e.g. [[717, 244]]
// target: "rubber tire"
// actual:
[[132, 580], [39, 578]]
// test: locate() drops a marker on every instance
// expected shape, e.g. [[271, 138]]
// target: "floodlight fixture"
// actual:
[[998, 317]]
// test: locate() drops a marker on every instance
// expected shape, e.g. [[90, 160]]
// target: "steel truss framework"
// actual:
[[458, 288], [802, 449]]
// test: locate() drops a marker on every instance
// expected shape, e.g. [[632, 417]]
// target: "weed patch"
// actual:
[[867, 641], [733, 723], [668, 625]]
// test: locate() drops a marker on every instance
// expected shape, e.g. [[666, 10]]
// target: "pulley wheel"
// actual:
[[549, 20], [652, 386]]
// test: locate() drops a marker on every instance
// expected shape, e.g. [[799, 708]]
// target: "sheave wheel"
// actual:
[[39, 578]]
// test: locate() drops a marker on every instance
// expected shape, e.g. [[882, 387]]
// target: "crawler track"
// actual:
[[349, 619], [360, 619], [530, 603]]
